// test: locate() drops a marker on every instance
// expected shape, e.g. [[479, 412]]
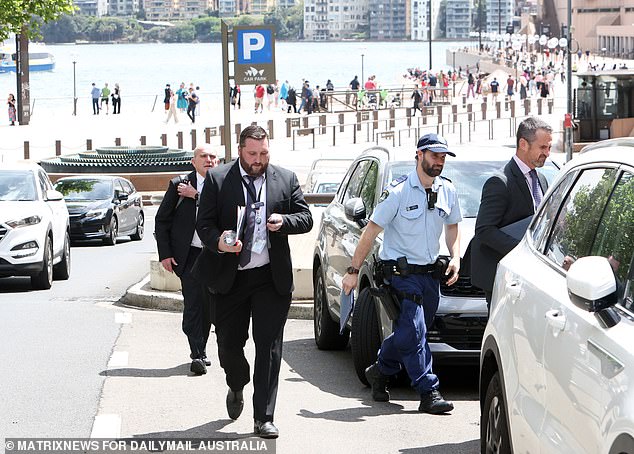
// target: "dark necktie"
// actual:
[[535, 188], [247, 239]]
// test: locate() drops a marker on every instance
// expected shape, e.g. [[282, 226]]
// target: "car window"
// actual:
[[368, 190], [118, 189], [326, 188], [578, 220], [80, 189], [17, 185], [127, 186], [544, 222], [43, 182], [615, 236], [356, 180]]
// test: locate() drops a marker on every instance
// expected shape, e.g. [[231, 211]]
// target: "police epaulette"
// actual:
[[398, 181], [445, 178]]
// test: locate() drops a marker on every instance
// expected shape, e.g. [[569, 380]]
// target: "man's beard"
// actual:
[[251, 170], [432, 171]]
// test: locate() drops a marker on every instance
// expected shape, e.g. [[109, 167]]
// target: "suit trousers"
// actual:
[[253, 296], [408, 344], [197, 310]]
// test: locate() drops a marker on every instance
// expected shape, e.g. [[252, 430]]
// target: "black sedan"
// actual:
[[102, 207]]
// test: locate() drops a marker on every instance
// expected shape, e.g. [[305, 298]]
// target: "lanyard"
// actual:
[[257, 204]]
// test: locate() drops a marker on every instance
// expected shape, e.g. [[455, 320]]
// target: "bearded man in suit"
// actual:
[[251, 276]]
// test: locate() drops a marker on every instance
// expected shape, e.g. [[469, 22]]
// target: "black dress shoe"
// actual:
[[434, 403], [203, 357], [378, 382], [265, 429], [198, 367], [235, 404]]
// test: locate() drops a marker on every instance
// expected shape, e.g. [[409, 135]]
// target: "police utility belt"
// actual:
[[390, 297]]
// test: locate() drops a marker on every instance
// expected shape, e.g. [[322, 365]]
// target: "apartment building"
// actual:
[[499, 14], [157, 10], [123, 7], [389, 19], [334, 19], [420, 19], [95, 8], [458, 17]]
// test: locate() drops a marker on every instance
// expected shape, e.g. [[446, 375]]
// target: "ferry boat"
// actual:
[[39, 58]]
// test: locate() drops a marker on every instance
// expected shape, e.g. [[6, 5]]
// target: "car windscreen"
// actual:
[[468, 177], [17, 185], [76, 190], [325, 188]]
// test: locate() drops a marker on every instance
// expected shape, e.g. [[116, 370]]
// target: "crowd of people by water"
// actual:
[[101, 96], [183, 100]]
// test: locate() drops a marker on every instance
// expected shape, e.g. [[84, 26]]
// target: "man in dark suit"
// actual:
[[252, 276], [179, 246], [508, 197]]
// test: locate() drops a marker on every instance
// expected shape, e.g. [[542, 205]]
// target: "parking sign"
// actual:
[[254, 52]]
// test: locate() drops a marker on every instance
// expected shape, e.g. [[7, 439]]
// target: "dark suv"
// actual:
[[456, 332]]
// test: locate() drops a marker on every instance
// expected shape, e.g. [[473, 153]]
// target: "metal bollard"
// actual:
[[143, 140], [179, 138], [375, 117], [439, 114], [484, 110], [512, 108], [498, 108], [58, 147], [540, 105], [454, 111], [89, 144], [527, 107], [221, 131], [117, 141], [322, 124], [358, 121], [270, 126], [164, 140], [193, 135], [341, 121], [305, 121], [207, 135], [288, 127], [27, 150], [238, 129]]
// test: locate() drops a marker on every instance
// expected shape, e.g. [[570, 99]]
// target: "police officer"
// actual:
[[412, 211]]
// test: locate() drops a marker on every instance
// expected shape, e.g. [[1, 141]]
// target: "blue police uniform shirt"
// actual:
[[410, 228]]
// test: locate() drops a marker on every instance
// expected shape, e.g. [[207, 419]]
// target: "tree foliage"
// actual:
[[16, 14]]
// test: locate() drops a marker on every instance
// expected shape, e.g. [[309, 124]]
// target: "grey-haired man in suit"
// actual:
[[179, 246], [512, 195]]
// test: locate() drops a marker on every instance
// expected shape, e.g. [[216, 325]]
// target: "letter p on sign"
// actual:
[[251, 42]]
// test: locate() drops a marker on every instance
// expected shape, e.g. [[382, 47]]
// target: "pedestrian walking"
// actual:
[[95, 93], [12, 109], [413, 212], [179, 246], [116, 99], [105, 97], [181, 101], [166, 98], [252, 278], [192, 99], [172, 112]]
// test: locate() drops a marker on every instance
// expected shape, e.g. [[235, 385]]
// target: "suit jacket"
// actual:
[[505, 200], [222, 193], [174, 226]]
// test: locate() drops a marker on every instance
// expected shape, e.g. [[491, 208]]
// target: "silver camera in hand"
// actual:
[[230, 238]]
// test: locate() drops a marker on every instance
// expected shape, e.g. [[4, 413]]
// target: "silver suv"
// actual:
[[456, 332]]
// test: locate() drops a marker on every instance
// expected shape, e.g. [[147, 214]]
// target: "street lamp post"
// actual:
[[362, 75], [74, 90], [430, 32], [453, 75], [569, 141]]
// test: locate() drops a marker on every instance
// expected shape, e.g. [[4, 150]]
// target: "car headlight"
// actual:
[[24, 222], [97, 214]]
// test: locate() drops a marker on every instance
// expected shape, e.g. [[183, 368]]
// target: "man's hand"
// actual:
[[452, 270], [350, 282], [169, 264], [274, 222], [224, 247], [186, 190]]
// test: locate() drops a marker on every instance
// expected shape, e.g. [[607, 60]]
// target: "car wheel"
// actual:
[[327, 335], [111, 239], [44, 279], [494, 436], [366, 338], [61, 271], [140, 225]]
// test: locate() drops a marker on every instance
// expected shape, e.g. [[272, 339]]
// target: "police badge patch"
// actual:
[[384, 195]]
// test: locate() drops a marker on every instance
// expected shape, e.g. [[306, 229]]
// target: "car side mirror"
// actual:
[[355, 209], [53, 196], [592, 287], [122, 196]]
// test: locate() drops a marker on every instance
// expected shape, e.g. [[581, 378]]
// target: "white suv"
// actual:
[[557, 362], [34, 226]]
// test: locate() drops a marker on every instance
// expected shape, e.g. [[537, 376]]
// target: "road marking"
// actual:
[[123, 317], [117, 360], [106, 426]]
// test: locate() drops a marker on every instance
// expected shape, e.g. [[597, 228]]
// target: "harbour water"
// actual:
[[142, 70]]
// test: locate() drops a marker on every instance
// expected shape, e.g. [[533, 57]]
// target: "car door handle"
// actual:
[[556, 319], [514, 290], [343, 229]]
